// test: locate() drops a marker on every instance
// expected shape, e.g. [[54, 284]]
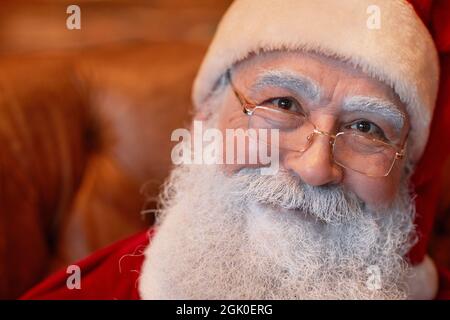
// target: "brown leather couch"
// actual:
[[85, 122], [85, 144]]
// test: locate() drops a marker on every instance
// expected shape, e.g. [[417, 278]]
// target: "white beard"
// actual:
[[234, 237]]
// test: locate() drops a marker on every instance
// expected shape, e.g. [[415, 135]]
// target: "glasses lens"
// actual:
[[362, 154], [292, 129]]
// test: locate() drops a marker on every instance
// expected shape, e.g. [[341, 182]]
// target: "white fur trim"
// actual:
[[424, 283], [401, 53]]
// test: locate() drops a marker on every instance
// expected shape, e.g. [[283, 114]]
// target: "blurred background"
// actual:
[[85, 123]]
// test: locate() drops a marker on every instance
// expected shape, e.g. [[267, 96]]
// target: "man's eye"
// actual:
[[367, 128], [284, 103]]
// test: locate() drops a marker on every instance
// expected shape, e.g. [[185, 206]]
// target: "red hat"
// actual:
[[427, 179], [399, 50]]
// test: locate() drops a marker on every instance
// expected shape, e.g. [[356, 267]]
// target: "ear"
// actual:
[[202, 116]]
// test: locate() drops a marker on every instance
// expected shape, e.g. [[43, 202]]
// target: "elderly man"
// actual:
[[349, 88]]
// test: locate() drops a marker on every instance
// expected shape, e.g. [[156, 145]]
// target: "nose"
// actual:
[[315, 165]]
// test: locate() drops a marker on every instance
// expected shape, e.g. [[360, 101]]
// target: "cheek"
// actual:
[[233, 119], [375, 192], [242, 149]]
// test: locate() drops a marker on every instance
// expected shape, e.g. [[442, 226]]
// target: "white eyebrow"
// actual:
[[289, 80], [386, 109]]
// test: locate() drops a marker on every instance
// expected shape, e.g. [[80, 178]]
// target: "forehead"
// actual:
[[337, 80]]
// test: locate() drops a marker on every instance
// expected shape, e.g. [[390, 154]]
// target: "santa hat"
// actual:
[[401, 53]]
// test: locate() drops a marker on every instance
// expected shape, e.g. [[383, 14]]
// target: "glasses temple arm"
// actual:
[[236, 92]]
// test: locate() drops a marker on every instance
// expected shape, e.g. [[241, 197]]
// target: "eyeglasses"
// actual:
[[358, 152]]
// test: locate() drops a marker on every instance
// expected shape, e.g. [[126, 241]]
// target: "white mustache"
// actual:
[[330, 204]]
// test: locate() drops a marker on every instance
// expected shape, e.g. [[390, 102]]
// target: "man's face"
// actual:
[[313, 229], [334, 84]]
